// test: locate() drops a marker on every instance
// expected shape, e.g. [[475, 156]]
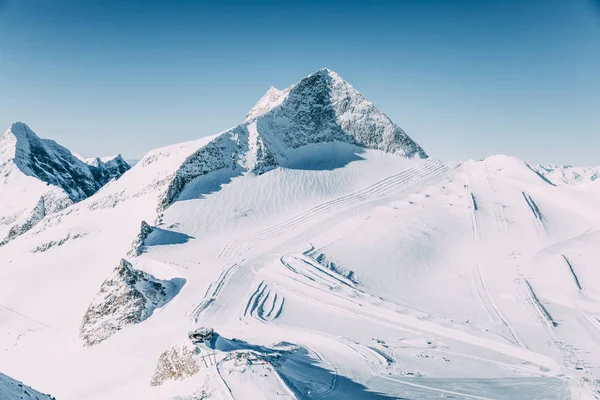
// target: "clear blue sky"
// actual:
[[464, 78]]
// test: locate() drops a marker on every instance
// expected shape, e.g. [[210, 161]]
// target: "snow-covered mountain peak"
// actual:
[[20, 131], [47, 161], [323, 107], [565, 174], [54, 164], [15, 140]]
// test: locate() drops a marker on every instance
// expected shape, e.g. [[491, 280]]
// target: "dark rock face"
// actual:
[[105, 171], [127, 297]]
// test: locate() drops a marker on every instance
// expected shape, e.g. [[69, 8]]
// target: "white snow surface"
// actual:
[[332, 261], [271, 99]]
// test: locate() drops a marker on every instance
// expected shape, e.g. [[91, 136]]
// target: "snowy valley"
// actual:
[[332, 256]]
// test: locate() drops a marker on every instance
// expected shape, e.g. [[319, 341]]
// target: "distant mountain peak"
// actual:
[[20, 130], [60, 178], [565, 174], [54, 164], [323, 107]]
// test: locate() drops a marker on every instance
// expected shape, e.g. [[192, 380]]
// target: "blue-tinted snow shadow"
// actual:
[[322, 156], [209, 183], [312, 157], [172, 287], [300, 370], [163, 237], [221, 343]]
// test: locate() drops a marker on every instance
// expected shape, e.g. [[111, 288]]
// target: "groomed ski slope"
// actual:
[[446, 298]]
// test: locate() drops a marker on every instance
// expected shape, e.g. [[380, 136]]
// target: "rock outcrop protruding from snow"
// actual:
[[137, 248], [37, 214], [127, 297], [321, 108], [175, 363]]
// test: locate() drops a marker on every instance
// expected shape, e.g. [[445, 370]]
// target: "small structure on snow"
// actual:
[[201, 335]]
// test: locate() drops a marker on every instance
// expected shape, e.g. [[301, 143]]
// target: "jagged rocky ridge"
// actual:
[[51, 173], [127, 297], [106, 169], [55, 165], [320, 108]]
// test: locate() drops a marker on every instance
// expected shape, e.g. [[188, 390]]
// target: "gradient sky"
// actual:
[[465, 79]]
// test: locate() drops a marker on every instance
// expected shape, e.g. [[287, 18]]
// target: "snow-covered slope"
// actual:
[[567, 174], [271, 99], [331, 257]]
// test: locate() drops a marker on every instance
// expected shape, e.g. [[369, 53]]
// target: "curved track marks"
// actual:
[[265, 304], [419, 174]]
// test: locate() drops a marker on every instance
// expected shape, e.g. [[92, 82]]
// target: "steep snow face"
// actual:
[[568, 175], [271, 99], [11, 389]]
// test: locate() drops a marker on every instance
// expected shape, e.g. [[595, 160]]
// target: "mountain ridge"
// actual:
[[320, 108], [41, 177]]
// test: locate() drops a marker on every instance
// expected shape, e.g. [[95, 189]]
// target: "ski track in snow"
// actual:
[[481, 288], [404, 180], [575, 278], [266, 301], [507, 303]]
